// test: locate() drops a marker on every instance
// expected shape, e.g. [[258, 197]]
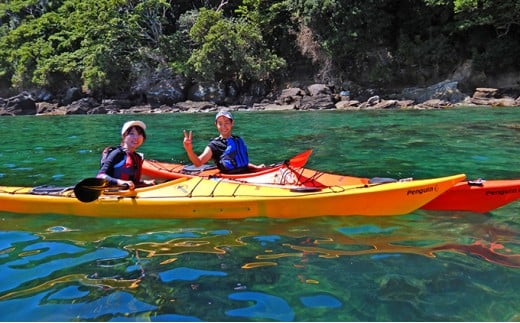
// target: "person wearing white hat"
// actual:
[[121, 165], [229, 152]]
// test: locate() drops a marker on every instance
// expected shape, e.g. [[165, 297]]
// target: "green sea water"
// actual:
[[423, 266]]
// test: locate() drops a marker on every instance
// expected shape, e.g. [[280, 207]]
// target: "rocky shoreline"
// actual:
[[313, 97]]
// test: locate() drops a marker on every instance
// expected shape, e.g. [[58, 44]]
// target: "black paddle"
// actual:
[[89, 189]]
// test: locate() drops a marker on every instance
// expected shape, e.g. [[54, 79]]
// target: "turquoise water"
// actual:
[[424, 266]]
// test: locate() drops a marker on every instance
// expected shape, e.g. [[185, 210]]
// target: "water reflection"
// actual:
[[239, 269]]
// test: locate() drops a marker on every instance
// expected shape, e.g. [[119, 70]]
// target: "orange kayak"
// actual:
[[290, 172], [478, 196]]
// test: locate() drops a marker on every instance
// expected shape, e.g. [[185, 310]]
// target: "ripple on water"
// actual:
[[320, 300], [266, 307], [184, 273]]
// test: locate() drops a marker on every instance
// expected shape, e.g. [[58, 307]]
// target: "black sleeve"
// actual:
[[106, 170], [217, 146]]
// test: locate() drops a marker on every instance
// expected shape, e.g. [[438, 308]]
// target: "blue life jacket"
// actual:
[[235, 157]]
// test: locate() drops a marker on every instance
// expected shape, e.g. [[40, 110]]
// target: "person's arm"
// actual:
[[117, 181], [256, 168], [202, 158], [188, 146], [108, 168]]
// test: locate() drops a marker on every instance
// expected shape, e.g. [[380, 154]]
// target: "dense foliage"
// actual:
[[105, 46]]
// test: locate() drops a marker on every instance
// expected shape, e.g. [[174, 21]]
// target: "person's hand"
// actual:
[[149, 181], [187, 140], [126, 184]]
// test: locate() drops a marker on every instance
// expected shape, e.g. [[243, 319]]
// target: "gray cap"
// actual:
[[224, 113]]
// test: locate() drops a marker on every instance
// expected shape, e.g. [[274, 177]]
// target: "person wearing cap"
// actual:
[[229, 152], [121, 165]]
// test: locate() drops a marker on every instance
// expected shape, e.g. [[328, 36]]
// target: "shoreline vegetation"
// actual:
[[313, 97], [63, 57]]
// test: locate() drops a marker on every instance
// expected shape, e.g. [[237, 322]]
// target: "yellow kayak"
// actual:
[[217, 198]]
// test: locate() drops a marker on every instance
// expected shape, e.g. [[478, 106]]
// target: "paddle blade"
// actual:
[[90, 189], [299, 160]]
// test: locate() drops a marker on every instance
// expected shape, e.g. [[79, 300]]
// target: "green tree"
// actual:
[[352, 36], [71, 45], [490, 30], [501, 15], [95, 44], [106, 46], [230, 48]]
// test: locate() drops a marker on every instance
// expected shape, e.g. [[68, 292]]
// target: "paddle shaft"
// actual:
[[90, 189]]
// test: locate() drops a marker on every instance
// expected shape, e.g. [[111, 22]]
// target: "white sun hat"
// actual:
[[132, 123]]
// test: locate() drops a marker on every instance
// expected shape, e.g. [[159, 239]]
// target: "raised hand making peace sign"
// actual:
[[188, 140]]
